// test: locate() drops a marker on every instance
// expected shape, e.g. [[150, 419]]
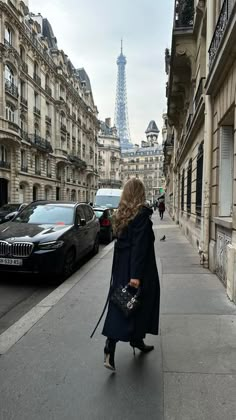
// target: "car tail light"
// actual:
[[105, 222]]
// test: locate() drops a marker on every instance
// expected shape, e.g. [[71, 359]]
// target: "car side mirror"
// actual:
[[82, 222]]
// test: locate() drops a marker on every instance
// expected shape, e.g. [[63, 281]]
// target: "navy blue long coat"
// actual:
[[134, 257]]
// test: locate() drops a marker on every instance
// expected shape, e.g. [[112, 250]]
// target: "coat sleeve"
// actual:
[[141, 242]]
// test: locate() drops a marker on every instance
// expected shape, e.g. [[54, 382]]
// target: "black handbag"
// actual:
[[125, 300]]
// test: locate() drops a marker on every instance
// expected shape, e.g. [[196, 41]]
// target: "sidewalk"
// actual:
[[55, 371]]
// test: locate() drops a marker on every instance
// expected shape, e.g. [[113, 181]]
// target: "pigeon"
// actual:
[[163, 238]]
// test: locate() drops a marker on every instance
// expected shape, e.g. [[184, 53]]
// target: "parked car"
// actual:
[[48, 237], [104, 216], [8, 211]]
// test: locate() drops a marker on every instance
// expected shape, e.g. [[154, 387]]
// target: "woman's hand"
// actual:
[[134, 283]]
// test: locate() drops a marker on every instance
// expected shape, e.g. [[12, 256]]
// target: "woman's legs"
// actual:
[[109, 353]]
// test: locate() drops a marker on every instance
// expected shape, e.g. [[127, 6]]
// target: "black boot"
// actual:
[[109, 354], [139, 344]]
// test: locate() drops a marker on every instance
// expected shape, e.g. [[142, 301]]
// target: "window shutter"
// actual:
[[226, 170]]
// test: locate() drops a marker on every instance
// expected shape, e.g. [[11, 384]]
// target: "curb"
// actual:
[[16, 331]]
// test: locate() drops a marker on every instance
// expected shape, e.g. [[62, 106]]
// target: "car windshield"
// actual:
[[46, 214], [111, 201], [10, 207], [98, 213]]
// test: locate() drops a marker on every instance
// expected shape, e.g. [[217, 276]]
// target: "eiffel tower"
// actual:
[[121, 109]]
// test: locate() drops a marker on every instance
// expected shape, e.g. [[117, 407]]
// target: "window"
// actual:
[[3, 154], [48, 169], [10, 112], [182, 190], [83, 150], [22, 53], [88, 213], [9, 74], [8, 35], [189, 186], [37, 165], [24, 163], [226, 171], [199, 180]]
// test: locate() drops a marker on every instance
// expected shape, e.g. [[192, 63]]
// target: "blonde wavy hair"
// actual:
[[132, 199]]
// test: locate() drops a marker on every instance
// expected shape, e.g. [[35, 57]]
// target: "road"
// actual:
[[20, 293]]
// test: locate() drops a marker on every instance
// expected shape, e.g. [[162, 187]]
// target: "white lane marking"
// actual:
[[14, 333]]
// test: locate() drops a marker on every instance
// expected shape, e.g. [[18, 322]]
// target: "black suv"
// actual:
[[48, 237]]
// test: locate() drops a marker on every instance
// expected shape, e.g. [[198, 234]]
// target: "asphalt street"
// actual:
[[54, 371]]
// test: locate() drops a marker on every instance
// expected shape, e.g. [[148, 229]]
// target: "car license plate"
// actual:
[[11, 261]]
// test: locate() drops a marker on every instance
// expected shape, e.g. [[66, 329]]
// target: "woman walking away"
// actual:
[[134, 263], [161, 209]]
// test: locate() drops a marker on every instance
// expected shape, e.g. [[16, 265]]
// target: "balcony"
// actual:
[[37, 111], [4, 164], [7, 43], [199, 93], [180, 63], [79, 163], [24, 67], [40, 143], [48, 119], [37, 79], [24, 168], [13, 126], [24, 101], [11, 88], [222, 47], [184, 13], [63, 128], [38, 172], [24, 135], [48, 90], [49, 175]]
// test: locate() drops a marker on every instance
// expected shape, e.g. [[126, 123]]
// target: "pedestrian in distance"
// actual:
[[134, 263], [161, 208]]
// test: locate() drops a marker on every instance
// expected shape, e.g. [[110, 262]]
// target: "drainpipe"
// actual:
[[208, 140]]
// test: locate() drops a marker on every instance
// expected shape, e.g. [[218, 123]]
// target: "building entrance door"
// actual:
[[3, 191]]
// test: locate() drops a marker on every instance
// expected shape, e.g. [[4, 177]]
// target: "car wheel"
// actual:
[[69, 263], [96, 246]]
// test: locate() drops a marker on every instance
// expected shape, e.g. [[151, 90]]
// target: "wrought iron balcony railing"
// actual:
[[13, 126], [24, 67], [24, 101], [7, 43], [184, 13], [48, 90], [37, 111], [48, 119], [37, 171], [24, 135], [40, 143], [63, 127], [199, 93], [221, 25], [24, 168], [11, 88], [4, 164], [37, 79]]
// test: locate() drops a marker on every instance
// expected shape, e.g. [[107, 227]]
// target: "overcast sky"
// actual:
[[89, 32]]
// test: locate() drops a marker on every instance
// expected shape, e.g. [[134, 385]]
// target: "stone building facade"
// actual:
[[109, 156], [145, 163], [200, 149], [48, 120]]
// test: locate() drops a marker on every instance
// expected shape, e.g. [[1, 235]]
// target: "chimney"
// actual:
[[108, 122]]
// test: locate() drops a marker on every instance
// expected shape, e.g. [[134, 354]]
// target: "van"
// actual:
[[108, 197]]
